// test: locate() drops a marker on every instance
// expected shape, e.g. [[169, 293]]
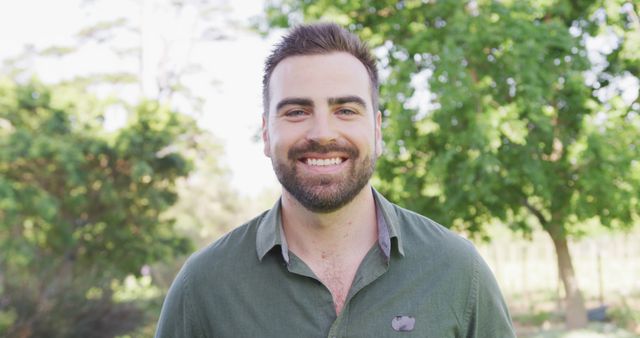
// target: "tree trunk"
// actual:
[[575, 312]]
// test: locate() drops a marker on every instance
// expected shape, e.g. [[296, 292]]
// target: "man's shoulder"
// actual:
[[233, 248], [412, 222], [422, 234]]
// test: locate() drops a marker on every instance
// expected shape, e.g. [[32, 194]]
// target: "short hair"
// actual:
[[320, 38]]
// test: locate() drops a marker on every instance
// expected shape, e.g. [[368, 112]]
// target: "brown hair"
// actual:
[[320, 38]]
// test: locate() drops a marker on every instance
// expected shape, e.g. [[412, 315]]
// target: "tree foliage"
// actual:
[[94, 206], [498, 111], [80, 207]]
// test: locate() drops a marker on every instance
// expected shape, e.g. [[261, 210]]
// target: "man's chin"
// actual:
[[325, 191], [322, 193], [325, 198]]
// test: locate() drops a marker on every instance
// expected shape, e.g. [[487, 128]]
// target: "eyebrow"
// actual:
[[299, 101], [347, 99], [294, 101]]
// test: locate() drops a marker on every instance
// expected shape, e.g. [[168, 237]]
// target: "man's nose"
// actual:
[[323, 128]]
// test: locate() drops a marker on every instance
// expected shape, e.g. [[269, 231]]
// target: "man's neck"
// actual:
[[347, 232], [332, 244]]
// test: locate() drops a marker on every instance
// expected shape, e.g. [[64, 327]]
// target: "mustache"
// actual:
[[314, 146]]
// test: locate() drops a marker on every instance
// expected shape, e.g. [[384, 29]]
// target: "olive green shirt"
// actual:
[[419, 280]]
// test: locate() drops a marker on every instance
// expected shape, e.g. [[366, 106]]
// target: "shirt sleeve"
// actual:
[[487, 315], [177, 316]]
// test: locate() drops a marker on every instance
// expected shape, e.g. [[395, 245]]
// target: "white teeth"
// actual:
[[324, 162]]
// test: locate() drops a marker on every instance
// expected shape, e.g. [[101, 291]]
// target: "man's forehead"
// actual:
[[332, 75], [336, 60]]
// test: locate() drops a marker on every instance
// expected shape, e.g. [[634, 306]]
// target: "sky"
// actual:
[[232, 109]]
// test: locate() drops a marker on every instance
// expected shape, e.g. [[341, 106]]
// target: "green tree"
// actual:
[[161, 60], [494, 111], [80, 207]]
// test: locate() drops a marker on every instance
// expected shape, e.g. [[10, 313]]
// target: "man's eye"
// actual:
[[345, 111], [295, 113]]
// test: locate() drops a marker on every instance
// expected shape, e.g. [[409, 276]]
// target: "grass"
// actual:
[[607, 267], [544, 320], [594, 330]]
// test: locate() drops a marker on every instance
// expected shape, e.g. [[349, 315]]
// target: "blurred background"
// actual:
[[129, 137]]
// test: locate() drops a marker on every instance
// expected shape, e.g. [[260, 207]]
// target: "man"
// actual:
[[332, 258]]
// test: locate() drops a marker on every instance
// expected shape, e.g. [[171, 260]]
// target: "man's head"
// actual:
[[317, 39], [320, 127]]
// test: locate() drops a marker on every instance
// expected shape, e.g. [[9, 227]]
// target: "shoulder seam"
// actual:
[[194, 322], [472, 299]]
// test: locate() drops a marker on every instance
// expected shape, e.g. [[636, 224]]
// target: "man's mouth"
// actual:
[[321, 162], [323, 158]]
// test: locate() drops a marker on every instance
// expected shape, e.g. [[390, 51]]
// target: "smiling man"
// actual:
[[332, 258]]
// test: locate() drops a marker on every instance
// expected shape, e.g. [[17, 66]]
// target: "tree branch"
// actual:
[[537, 213]]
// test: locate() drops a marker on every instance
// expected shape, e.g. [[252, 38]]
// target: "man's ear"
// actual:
[[265, 136], [378, 134]]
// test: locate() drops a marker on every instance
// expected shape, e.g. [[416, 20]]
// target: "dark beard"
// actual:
[[323, 194]]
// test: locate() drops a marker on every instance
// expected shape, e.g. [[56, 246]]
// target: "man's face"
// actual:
[[321, 133]]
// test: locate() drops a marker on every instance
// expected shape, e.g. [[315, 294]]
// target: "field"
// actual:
[[608, 271]]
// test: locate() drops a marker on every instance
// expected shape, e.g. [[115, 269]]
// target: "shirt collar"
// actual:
[[271, 234]]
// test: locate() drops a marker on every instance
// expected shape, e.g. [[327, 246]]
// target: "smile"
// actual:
[[323, 161]]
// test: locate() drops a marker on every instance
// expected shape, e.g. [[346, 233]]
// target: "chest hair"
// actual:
[[337, 276]]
